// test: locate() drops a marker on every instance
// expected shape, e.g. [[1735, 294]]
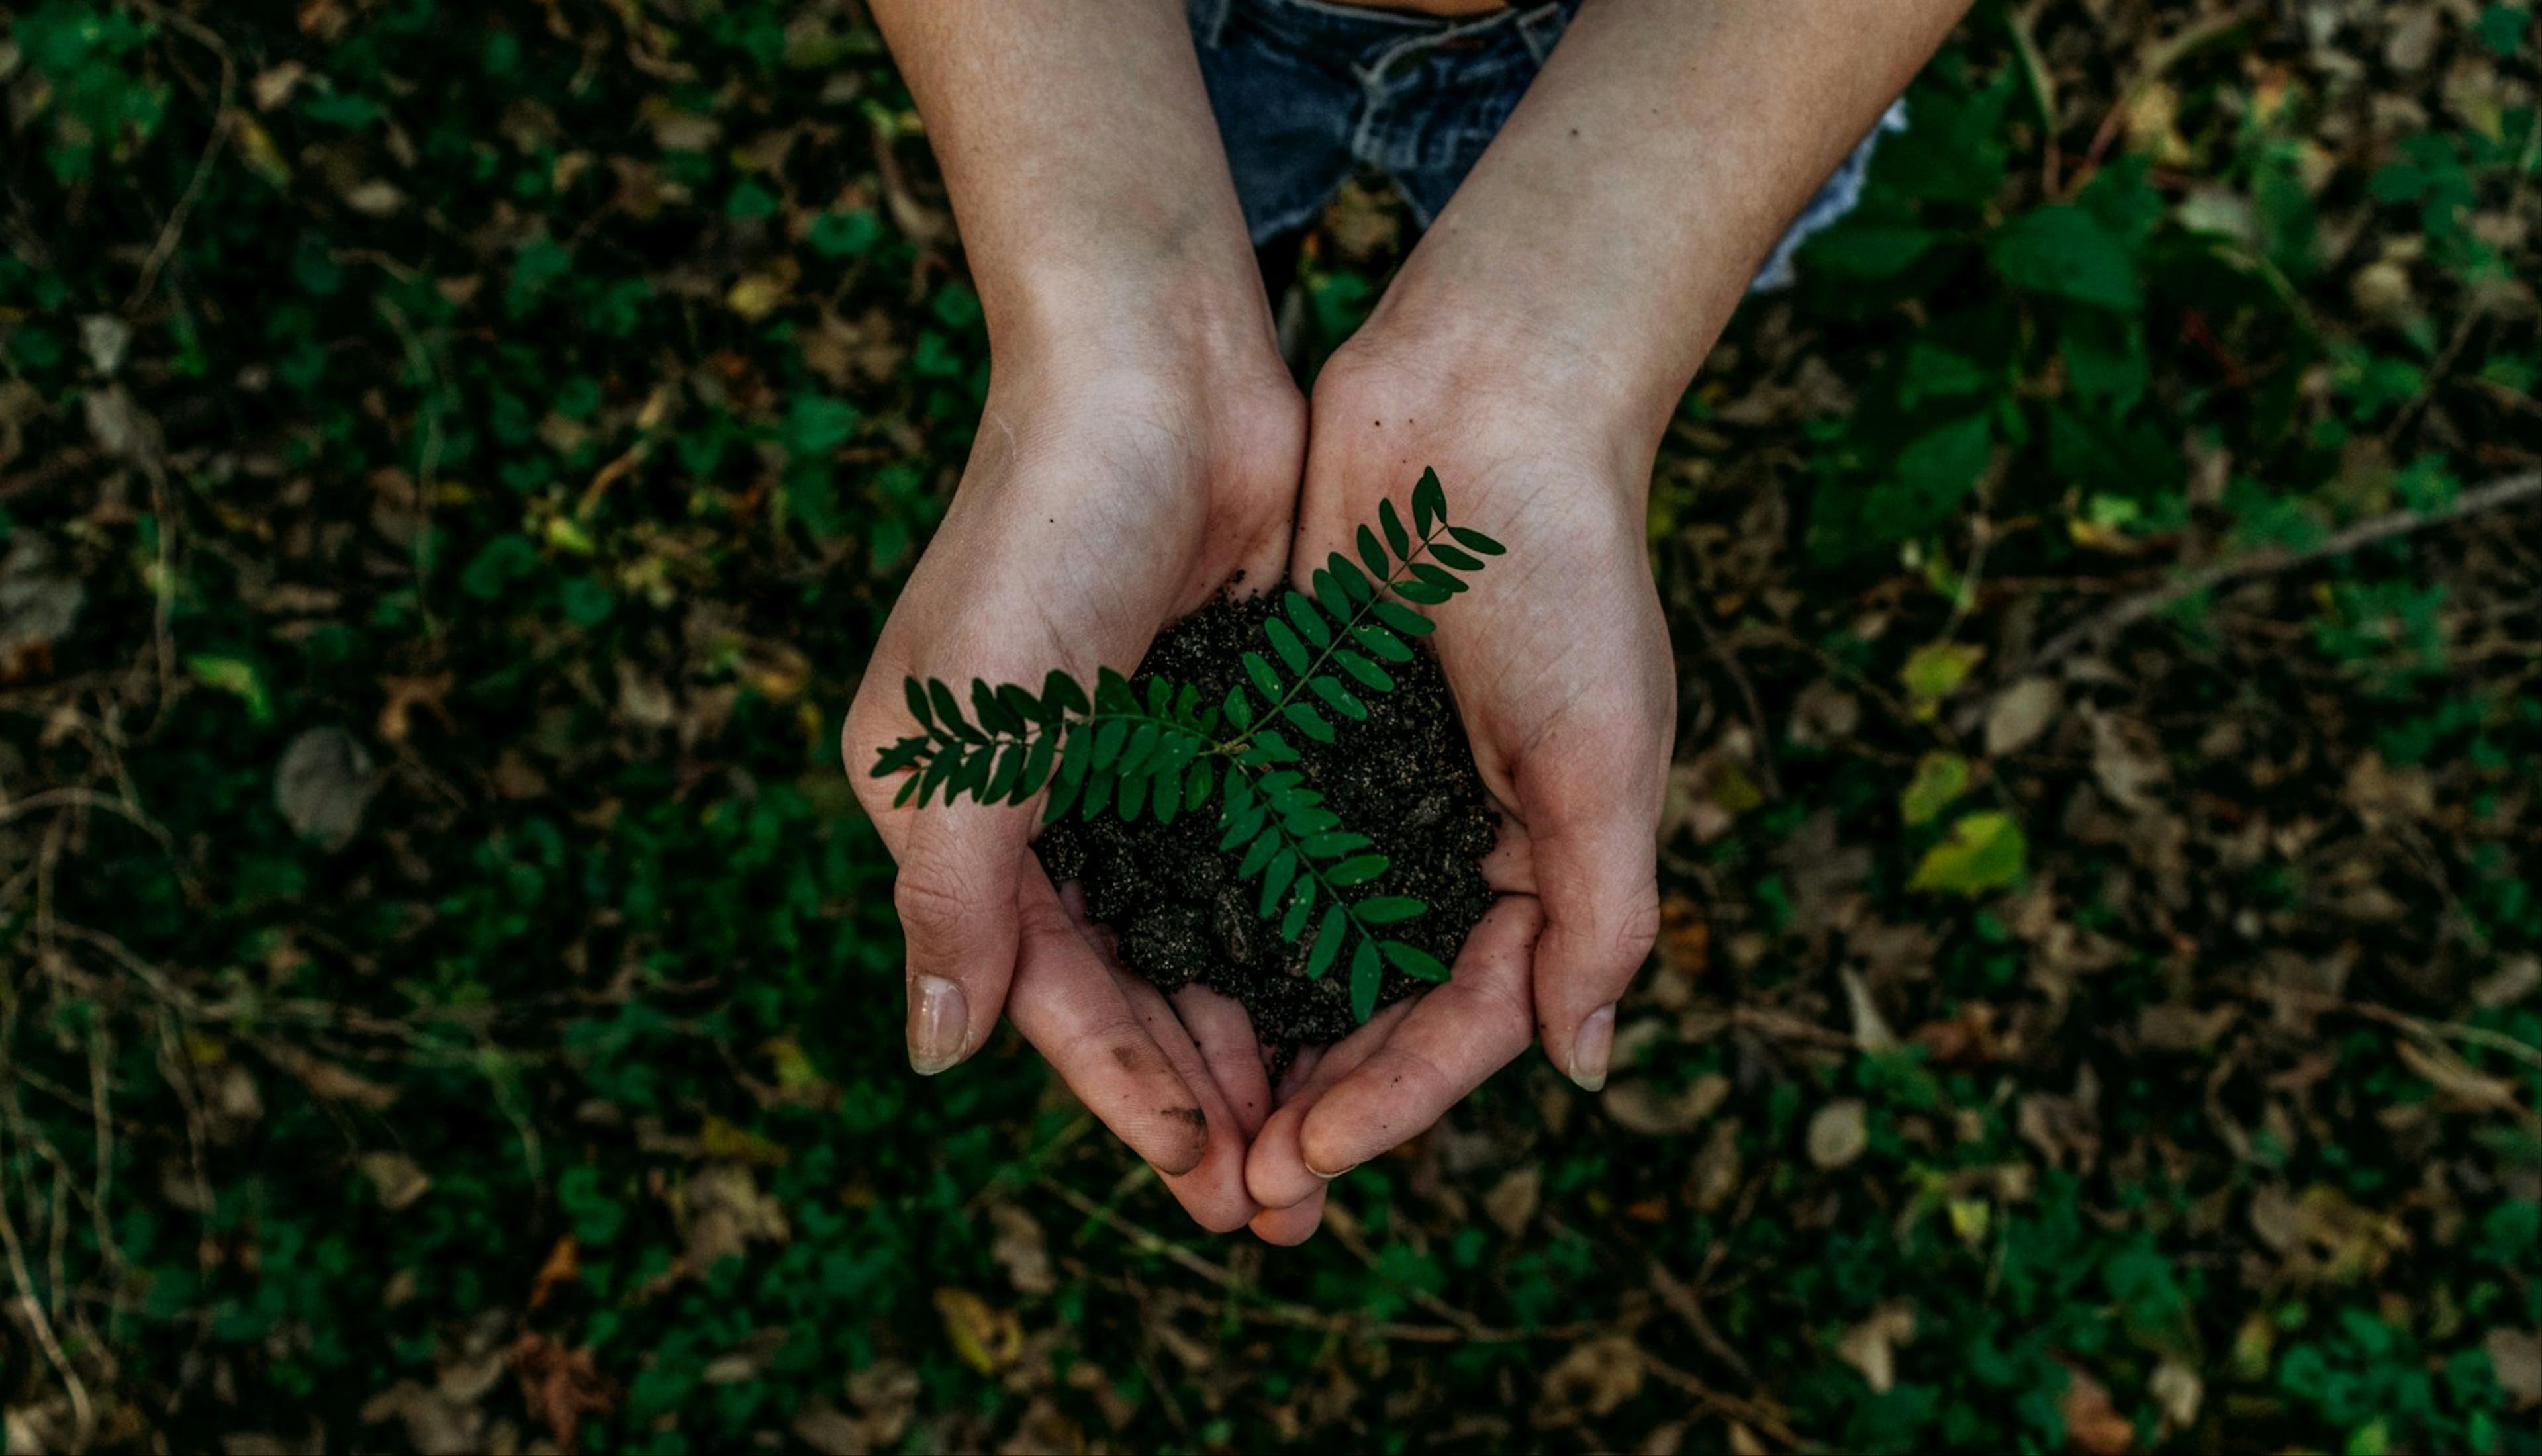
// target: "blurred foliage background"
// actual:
[[453, 460]]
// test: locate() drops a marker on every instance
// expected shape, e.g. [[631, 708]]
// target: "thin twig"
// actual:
[[2495, 495], [224, 117]]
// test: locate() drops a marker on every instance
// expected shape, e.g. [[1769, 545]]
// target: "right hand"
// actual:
[[1116, 484]]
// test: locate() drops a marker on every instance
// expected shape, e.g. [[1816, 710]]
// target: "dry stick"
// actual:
[[224, 117], [2495, 495]]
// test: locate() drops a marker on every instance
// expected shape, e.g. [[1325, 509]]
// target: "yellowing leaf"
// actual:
[[256, 149], [755, 295], [984, 1338], [1985, 851], [1971, 1219], [1934, 670], [724, 1139], [1939, 779]]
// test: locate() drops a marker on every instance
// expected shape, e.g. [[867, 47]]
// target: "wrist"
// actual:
[[1533, 344]]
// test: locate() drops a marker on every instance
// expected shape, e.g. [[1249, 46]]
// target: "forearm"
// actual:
[[1085, 167], [1613, 225]]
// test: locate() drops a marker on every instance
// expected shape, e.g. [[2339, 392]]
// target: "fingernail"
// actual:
[[1327, 1177], [938, 1020], [1589, 1050]]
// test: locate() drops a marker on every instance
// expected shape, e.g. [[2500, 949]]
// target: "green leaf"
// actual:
[[938, 772], [1308, 721], [1935, 670], [1197, 784], [1061, 694], [1441, 552], [1326, 844], [1132, 797], [1354, 583], [1063, 796], [907, 788], [1422, 591], [899, 755], [1001, 782], [1239, 708], [1307, 619], [1429, 503], [1357, 872], [1242, 828], [1311, 820], [1037, 764], [1444, 580], [917, 696], [1380, 642], [1275, 748], [1331, 595], [1476, 541], [994, 714], [1412, 960], [1328, 942], [1259, 670], [1985, 851], [1265, 845], [1395, 536], [2064, 249], [1338, 698], [1099, 792], [1283, 868], [1371, 555], [1141, 746], [1364, 975], [1166, 794], [1299, 905], [1077, 754], [1286, 644], [1113, 693], [1158, 692], [1940, 778], [1403, 619], [1387, 910], [948, 713], [1368, 673]]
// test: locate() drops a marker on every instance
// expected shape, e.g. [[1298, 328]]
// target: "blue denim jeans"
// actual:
[[1309, 92]]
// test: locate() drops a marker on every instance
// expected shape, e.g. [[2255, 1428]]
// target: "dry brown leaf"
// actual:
[[563, 1265], [1513, 1200], [2019, 714], [1839, 1132], [2092, 1425], [398, 1178], [1021, 1251], [1639, 1106], [1595, 1378], [1871, 1346], [561, 1386], [2515, 1358]]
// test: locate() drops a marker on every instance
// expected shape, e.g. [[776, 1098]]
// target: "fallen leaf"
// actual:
[[1021, 1251], [1934, 671], [323, 784], [40, 600], [1985, 851], [1871, 1345], [563, 1267], [1595, 1378], [561, 1386], [2092, 1425], [2515, 1358], [1871, 1031], [1639, 1106], [2179, 1391], [984, 1338], [2019, 714], [1839, 1132], [398, 1178], [1513, 1200]]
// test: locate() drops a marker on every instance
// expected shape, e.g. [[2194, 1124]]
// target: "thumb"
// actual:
[[959, 868], [1596, 874]]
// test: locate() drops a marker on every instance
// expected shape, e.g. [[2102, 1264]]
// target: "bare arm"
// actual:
[[1086, 172]]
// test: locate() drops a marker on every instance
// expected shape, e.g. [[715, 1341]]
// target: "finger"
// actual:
[[1224, 1036], [1458, 1036], [1071, 1007], [960, 866], [1275, 1172], [1212, 1191], [1291, 1226], [1597, 875], [1509, 866]]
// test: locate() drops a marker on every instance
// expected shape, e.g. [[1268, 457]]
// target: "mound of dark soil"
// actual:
[[1404, 778]]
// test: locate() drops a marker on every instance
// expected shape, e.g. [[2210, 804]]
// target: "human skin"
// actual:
[[1530, 350], [1140, 444]]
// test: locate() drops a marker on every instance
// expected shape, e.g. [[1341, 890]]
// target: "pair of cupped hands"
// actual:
[[1121, 477]]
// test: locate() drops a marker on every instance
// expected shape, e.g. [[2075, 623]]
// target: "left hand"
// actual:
[[1559, 660]]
